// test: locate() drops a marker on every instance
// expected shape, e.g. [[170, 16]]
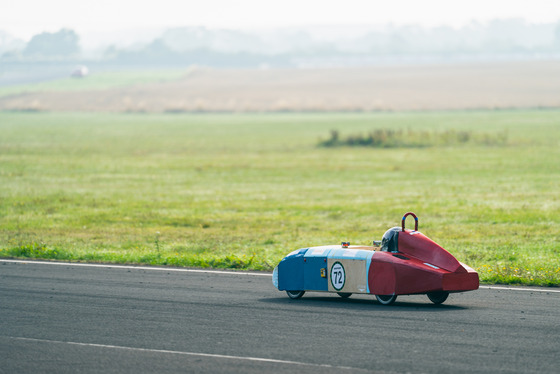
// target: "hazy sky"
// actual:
[[24, 18]]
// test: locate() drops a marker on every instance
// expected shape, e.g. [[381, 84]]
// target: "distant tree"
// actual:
[[10, 47], [158, 49], [111, 52], [557, 35], [11, 55], [155, 52], [63, 43]]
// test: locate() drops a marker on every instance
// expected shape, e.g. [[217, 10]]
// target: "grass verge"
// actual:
[[241, 191]]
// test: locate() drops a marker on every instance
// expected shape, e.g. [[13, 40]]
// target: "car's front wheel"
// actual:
[[438, 297], [386, 299], [344, 295], [295, 294]]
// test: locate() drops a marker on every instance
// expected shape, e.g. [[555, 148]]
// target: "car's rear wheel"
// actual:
[[344, 295], [386, 299], [438, 297], [295, 294]]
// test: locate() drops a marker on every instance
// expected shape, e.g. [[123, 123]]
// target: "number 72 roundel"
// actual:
[[338, 276]]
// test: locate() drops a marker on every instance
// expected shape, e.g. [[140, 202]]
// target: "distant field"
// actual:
[[502, 85], [242, 190], [96, 82]]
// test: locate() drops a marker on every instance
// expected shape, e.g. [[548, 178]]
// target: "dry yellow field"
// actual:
[[523, 84]]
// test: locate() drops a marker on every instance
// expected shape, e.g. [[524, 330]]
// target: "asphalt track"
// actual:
[[68, 318]]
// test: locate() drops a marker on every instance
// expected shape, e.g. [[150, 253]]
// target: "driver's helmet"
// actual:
[[390, 240]]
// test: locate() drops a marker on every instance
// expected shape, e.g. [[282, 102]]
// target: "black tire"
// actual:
[[295, 294], [386, 299], [344, 295], [438, 297]]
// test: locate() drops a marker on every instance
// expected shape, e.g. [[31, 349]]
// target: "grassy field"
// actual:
[[242, 190]]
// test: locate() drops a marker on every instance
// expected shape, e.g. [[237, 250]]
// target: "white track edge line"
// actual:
[[245, 358], [208, 271], [114, 266], [519, 289]]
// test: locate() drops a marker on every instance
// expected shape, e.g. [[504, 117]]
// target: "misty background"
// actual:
[[51, 55]]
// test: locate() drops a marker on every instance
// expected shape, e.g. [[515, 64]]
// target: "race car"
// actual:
[[404, 262]]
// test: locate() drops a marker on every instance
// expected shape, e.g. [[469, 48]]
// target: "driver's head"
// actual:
[[390, 240]]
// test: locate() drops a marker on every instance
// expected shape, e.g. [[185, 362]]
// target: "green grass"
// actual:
[[242, 190], [97, 81]]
